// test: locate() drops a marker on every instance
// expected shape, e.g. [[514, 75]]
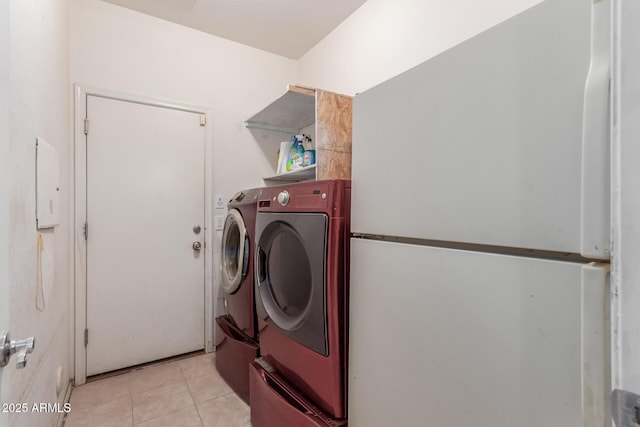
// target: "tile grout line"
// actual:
[[192, 398], [131, 409]]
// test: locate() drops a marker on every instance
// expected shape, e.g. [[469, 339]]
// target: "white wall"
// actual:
[[38, 107], [120, 50], [4, 189], [386, 37]]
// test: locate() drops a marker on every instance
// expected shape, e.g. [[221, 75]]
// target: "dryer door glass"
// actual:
[[290, 280], [234, 252], [290, 263]]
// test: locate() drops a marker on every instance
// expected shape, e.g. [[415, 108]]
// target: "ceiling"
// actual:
[[284, 27]]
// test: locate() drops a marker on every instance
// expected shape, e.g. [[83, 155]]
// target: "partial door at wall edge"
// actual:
[[145, 195]]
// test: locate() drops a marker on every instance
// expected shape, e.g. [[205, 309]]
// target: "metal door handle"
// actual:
[[196, 246], [8, 348]]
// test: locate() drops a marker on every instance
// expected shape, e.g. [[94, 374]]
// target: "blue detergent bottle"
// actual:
[[296, 152]]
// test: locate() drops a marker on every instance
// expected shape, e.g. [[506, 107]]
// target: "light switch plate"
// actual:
[[219, 201]]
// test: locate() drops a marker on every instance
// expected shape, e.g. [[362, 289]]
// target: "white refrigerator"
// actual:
[[479, 288]]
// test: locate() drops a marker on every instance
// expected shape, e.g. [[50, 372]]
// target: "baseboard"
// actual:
[[67, 397]]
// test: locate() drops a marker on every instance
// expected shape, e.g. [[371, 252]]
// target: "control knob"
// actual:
[[283, 198]]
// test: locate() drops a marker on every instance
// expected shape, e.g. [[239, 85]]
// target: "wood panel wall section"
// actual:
[[334, 118]]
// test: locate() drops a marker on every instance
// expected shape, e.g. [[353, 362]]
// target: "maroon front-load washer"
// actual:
[[301, 276], [237, 326]]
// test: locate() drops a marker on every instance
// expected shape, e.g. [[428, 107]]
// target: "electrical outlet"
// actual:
[[219, 222]]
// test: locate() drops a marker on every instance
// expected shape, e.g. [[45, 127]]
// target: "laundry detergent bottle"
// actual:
[[296, 152]]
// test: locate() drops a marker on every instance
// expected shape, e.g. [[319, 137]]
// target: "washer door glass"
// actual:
[[235, 252], [290, 266]]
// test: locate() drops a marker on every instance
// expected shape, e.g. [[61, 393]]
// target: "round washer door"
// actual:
[[290, 265], [235, 252]]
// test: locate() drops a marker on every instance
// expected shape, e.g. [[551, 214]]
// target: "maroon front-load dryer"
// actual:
[[238, 347], [301, 276]]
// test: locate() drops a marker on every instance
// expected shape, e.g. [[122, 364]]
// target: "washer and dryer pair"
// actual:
[[292, 366]]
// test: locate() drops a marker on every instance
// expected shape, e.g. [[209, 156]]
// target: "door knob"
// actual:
[[196, 246], [9, 347]]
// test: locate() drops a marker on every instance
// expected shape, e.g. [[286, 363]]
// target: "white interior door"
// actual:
[[145, 195]]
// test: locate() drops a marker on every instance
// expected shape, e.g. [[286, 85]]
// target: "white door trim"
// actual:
[[79, 216]]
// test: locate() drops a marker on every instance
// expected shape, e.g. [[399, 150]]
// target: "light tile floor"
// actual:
[[187, 392]]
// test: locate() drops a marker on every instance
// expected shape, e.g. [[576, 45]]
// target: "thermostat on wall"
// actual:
[[47, 185]]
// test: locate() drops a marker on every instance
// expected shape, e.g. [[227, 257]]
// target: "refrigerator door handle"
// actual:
[[595, 212]]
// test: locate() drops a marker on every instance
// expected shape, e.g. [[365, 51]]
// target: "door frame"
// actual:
[[79, 244]]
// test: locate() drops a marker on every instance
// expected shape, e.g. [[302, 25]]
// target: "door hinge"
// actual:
[[625, 408], [86, 337], [203, 120], [85, 230], [86, 126]]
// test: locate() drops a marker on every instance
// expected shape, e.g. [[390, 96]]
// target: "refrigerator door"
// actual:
[[484, 142], [450, 338]]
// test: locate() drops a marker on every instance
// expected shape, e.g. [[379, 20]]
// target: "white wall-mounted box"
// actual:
[[47, 185]]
